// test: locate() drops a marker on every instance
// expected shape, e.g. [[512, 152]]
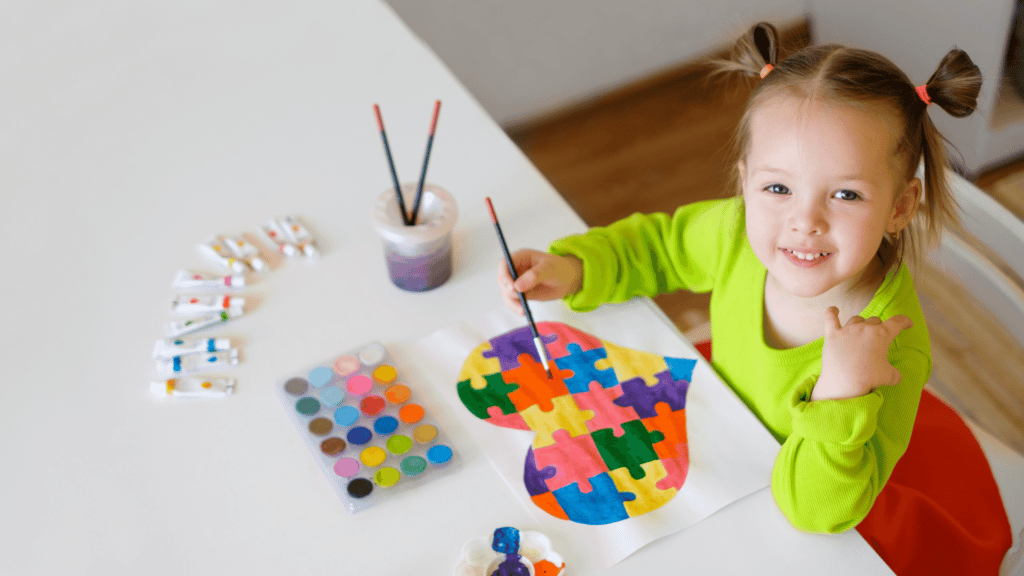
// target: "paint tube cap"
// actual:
[[234, 281], [257, 264], [161, 388], [310, 251]]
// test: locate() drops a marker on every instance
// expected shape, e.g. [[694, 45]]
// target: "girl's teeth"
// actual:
[[807, 256]]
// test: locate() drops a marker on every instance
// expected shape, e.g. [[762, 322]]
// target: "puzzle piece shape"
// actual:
[[630, 364], [642, 398], [676, 468], [607, 414], [604, 504], [494, 394], [534, 386], [646, 489], [563, 336], [508, 347], [671, 423], [583, 364], [564, 415], [575, 459], [534, 477], [610, 425], [631, 450]]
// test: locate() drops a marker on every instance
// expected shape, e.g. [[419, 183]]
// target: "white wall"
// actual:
[[522, 58]]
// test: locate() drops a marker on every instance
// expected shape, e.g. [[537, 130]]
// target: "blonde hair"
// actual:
[[851, 76]]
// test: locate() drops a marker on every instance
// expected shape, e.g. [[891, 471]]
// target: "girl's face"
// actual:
[[821, 185]]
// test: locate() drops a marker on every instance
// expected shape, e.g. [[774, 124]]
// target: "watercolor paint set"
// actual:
[[365, 428]]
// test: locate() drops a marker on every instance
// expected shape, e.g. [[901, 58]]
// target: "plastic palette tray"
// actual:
[[364, 427]]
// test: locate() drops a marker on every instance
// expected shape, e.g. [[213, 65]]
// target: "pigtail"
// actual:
[[752, 52], [955, 84]]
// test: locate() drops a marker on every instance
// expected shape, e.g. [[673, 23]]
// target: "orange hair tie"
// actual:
[[767, 68], [922, 93]]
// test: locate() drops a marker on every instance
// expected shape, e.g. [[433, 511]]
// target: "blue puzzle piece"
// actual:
[[507, 347], [584, 372], [602, 505], [681, 368], [642, 398], [534, 478]]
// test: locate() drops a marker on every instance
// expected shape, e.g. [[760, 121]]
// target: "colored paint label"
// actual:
[[346, 365], [439, 454], [424, 433], [332, 395], [398, 393], [296, 386], [385, 374], [359, 384], [332, 446], [411, 413], [359, 435], [387, 477], [320, 426], [413, 465], [308, 406], [373, 456], [346, 467], [385, 425], [321, 376], [372, 405], [346, 416], [359, 488], [399, 444]]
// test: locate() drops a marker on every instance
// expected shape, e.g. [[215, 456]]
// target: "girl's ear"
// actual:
[[905, 207], [741, 169]]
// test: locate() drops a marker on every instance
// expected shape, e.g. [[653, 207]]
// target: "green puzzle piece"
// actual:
[[495, 393], [631, 450]]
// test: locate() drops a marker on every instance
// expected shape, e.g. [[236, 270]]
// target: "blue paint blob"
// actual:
[[439, 454], [346, 416], [320, 376], [359, 435], [332, 395], [506, 540], [385, 425]]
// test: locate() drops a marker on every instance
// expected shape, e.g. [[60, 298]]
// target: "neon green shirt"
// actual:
[[836, 454]]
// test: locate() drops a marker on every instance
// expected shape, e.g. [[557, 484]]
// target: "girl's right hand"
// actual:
[[542, 276]]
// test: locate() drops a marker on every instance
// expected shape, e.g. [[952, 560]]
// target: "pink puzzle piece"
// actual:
[[513, 420], [607, 414], [566, 336], [675, 469], [575, 458]]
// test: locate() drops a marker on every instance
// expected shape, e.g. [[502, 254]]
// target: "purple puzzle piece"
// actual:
[[534, 478], [507, 347], [642, 398]]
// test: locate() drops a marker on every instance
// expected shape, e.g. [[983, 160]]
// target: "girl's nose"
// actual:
[[808, 218]]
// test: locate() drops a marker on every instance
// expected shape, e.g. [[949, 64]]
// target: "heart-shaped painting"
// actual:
[[610, 424]]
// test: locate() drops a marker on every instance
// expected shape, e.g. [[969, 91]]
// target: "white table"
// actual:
[[131, 131]]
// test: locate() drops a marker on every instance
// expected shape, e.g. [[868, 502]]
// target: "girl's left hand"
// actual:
[[854, 357]]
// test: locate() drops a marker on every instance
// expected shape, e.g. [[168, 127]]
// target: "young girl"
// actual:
[[815, 322]]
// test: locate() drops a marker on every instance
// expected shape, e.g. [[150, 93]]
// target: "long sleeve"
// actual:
[[649, 254]]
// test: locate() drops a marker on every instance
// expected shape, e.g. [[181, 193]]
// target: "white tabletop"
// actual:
[[129, 132]]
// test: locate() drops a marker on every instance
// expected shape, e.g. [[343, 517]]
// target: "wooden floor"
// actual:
[[660, 143]]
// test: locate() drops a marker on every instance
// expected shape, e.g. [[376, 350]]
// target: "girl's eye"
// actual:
[[776, 189], [846, 195]]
